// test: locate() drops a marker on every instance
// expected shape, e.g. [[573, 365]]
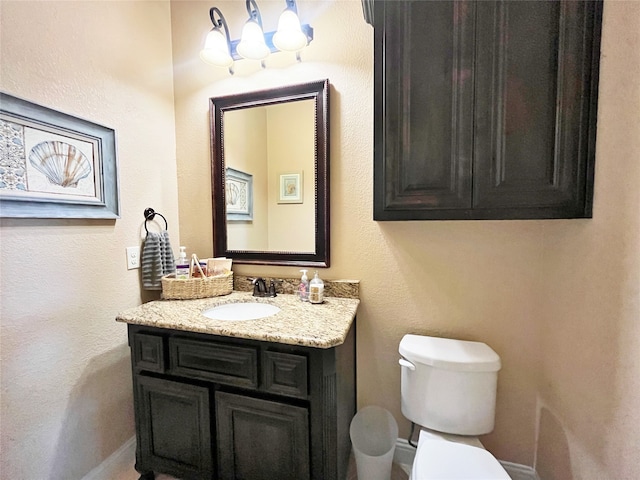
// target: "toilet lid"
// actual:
[[437, 459]]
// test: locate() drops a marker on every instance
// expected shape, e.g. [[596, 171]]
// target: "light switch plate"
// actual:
[[133, 258]]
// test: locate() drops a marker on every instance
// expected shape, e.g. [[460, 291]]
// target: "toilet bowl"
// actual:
[[447, 457]]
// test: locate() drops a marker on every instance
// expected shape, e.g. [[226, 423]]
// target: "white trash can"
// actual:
[[373, 433]]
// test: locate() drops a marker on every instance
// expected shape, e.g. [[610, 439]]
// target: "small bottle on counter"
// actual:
[[303, 288], [182, 265], [316, 289]]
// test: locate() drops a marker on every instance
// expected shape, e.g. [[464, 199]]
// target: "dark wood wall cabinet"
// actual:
[[485, 109], [210, 407]]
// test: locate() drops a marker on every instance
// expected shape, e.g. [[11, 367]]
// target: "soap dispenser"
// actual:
[[182, 265], [303, 288], [316, 289]]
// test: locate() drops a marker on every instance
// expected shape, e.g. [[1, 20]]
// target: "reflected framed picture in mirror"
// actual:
[[238, 195], [290, 188]]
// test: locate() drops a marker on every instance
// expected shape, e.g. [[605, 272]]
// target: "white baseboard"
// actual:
[[519, 472], [118, 461], [405, 454]]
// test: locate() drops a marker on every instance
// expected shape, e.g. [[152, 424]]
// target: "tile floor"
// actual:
[[398, 472]]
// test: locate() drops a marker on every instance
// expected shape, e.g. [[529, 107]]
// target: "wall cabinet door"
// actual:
[[260, 439], [423, 107], [485, 109], [174, 428]]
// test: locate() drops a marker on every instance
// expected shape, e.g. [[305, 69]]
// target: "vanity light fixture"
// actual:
[[255, 44]]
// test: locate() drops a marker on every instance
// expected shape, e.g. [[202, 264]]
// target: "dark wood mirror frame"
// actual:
[[318, 91]]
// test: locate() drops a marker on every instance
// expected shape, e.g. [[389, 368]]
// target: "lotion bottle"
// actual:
[[316, 289], [303, 288], [182, 265]]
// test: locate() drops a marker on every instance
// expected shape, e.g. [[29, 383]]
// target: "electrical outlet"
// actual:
[[133, 258]]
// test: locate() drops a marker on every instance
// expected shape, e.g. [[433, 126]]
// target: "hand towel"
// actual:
[[156, 259]]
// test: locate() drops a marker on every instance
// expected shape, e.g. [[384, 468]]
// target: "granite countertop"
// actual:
[[298, 323]]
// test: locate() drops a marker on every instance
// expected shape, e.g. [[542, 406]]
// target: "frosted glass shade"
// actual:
[[216, 49], [289, 37], [252, 45]]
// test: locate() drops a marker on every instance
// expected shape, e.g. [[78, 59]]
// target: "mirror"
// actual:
[[270, 175]]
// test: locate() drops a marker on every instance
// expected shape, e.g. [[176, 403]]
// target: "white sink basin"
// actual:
[[241, 311]]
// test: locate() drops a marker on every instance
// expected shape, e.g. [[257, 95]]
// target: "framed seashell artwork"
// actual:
[[238, 195], [54, 165]]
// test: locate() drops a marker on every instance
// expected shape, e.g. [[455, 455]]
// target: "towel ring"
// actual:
[[149, 214]]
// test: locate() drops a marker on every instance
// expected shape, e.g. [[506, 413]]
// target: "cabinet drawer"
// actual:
[[219, 362], [284, 373], [148, 353]]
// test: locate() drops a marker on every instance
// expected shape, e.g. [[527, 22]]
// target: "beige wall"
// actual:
[[66, 389], [589, 390], [558, 300]]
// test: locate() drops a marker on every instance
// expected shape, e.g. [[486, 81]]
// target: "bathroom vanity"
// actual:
[[256, 399]]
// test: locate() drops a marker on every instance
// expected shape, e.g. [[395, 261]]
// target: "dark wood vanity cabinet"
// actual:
[[210, 407], [485, 109]]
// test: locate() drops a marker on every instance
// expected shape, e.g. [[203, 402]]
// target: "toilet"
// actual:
[[448, 389]]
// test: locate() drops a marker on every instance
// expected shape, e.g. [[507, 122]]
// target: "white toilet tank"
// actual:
[[449, 385]]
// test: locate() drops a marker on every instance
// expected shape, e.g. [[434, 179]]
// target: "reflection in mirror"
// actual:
[[273, 143], [270, 176]]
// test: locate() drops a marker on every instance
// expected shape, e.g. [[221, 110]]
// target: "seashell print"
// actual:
[[62, 163]]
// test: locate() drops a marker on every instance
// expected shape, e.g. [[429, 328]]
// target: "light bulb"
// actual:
[[252, 45], [289, 37], [216, 49]]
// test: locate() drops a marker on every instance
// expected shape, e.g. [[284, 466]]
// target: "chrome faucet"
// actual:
[[260, 288]]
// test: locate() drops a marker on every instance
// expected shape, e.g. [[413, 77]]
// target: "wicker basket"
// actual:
[[201, 287]]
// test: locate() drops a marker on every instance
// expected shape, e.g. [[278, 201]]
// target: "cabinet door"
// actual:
[[535, 117], [423, 121], [260, 439], [174, 428]]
